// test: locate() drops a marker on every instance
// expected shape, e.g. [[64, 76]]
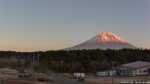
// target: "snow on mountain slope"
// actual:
[[104, 40]]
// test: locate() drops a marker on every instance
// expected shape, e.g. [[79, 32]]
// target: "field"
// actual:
[[116, 80], [64, 79]]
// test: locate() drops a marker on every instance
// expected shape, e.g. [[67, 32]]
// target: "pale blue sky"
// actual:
[[29, 25]]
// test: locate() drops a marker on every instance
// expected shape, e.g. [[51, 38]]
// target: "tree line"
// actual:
[[80, 60], [90, 60]]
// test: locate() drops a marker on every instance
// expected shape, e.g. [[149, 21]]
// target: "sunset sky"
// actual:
[[31, 25]]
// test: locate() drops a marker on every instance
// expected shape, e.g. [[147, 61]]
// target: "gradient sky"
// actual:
[[30, 25]]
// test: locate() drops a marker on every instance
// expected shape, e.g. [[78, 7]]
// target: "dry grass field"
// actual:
[[88, 80], [115, 80]]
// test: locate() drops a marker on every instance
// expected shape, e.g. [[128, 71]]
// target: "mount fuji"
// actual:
[[104, 40]]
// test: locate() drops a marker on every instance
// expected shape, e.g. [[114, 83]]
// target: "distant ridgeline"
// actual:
[[76, 60]]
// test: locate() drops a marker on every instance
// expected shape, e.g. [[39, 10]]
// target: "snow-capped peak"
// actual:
[[109, 37], [104, 40]]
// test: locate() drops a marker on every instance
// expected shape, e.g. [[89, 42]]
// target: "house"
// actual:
[[138, 68]]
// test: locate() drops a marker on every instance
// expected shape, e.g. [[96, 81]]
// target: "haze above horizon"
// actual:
[[33, 25]]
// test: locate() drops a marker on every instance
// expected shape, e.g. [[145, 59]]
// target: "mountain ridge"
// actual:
[[104, 40]]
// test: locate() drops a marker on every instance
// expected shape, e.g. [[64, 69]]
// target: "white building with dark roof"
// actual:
[[138, 68]]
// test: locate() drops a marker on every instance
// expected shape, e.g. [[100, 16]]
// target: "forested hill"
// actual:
[[91, 60], [80, 60]]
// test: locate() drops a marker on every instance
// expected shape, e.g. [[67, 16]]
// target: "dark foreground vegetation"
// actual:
[[91, 60], [75, 61]]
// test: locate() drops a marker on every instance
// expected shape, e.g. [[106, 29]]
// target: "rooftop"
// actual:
[[137, 64]]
